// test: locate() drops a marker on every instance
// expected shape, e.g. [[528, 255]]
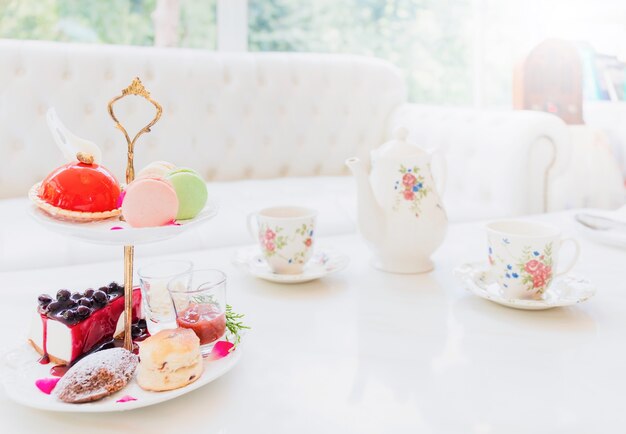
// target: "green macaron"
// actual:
[[191, 191]]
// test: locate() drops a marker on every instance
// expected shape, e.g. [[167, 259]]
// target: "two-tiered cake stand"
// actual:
[[117, 232], [20, 368]]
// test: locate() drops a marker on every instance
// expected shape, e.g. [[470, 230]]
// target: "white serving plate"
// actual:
[[100, 232], [323, 263], [20, 370], [566, 290]]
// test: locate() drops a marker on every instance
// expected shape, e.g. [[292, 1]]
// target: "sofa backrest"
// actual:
[[498, 161], [229, 116]]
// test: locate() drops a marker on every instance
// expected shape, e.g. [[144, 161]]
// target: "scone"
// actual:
[[169, 360], [97, 375]]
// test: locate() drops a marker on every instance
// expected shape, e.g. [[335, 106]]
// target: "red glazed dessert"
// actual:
[[80, 190], [70, 325]]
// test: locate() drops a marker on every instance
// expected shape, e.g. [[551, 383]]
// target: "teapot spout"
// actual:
[[370, 214]]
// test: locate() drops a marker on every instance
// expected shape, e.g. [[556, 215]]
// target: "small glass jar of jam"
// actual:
[[199, 299]]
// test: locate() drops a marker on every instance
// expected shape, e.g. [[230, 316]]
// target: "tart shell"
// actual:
[[77, 216]]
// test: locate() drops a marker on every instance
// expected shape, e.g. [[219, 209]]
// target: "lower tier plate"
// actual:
[[21, 369]]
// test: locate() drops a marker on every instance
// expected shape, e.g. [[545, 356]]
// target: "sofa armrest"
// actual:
[[497, 161], [592, 177], [610, 118]]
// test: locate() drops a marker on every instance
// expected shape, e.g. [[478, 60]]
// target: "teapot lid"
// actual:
[[398, 147]]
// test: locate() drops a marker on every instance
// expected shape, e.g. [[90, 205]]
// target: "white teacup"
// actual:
[[286, 236], [524, 256]]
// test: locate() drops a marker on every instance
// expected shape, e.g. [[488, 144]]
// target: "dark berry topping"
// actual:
[[69, 315], [63, 295], [44, 299], [100, 297], [73, 307], [54, 306], [85, 302]]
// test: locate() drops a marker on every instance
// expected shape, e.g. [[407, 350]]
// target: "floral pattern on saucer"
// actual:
[[565, 291], [323, 263]]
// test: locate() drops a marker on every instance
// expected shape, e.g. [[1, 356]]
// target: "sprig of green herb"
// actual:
[[204, 299], [234, 324]]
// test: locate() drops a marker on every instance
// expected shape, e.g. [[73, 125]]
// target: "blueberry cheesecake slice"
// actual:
[[72, 324]]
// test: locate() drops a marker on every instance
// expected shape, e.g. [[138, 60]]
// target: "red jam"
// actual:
[[59, 370], [205, 320], [81, 187]]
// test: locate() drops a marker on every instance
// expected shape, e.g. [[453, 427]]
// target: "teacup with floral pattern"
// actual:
[[286, 236], [524, 255]]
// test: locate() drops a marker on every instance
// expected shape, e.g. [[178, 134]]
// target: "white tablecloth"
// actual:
[[363, 351]]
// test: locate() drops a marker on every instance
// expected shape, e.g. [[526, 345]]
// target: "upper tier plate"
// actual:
[[103, 232]]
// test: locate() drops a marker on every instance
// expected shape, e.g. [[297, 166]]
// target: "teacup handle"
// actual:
[[574, 259], [252, 222]]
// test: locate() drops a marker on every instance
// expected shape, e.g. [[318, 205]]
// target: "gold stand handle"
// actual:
[[136, 88]]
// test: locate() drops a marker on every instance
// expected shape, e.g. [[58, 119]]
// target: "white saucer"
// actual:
[[564, 291], [323, 263]]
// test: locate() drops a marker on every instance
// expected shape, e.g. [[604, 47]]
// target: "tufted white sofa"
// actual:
[[262, 128]]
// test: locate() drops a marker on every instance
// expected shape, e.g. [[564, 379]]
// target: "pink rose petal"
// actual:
[[126, 398], [221, 349], [116, 228], [47, 385], [120, 198]]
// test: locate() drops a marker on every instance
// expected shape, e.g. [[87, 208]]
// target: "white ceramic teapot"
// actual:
[[399, 209]]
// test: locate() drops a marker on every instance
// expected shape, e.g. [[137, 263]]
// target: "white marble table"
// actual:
[[363, 351]]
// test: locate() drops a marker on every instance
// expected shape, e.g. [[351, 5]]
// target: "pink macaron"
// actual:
[[149, 202]]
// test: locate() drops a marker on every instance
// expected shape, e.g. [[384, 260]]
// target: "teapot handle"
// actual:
[[439, 159]]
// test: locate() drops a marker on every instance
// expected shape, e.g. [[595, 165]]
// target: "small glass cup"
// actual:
[[156, 300], [199, 299]]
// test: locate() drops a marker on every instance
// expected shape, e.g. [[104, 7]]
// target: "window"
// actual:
[[429, 40], [181, 23], [459, 52]]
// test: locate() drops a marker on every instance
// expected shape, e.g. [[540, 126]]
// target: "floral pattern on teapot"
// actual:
[[410, 188]]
